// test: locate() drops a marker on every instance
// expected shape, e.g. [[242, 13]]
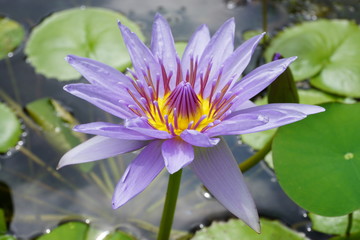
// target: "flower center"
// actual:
[[182, 107]]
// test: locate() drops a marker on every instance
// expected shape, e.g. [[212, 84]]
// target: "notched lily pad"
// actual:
[[236, 229], [11, 36], [328, 53], [335, 225], [89, 32], [317, 160], [10, 129]]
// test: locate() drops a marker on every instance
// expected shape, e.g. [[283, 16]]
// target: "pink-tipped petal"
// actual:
[[110, 130], [195, 47], [101, 74], [259, 79], [219, 172], [97, 148], [199, 139], [100, 97], [219, 48], [236, 63], [177, 154], [139, 174], [163, 46]]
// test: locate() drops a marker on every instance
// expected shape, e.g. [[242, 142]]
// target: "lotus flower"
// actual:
[[175, 110]]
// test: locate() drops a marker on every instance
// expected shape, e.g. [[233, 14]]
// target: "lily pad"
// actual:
[[328, 52], [180, 48], [335, 225], [10, 129], [88, 32], [317, 160], [68, 231], [11, 36], [236, 229]]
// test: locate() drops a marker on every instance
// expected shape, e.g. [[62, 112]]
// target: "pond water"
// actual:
[[38, 198]]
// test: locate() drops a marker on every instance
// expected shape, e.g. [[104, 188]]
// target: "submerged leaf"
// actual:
[[236, 229], [89, 32], [10, 129], [11, 36], [335, 225], [68, 231], [317, 160]]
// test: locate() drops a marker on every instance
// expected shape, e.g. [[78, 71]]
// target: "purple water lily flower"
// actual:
[[176, 109]]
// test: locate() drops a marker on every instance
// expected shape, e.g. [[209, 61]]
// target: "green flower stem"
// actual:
[[257, 157], [349, 225], [169, 206]]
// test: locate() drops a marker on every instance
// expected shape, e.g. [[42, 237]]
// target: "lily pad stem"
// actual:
[[257, 157], [169, 205], [349, 225]]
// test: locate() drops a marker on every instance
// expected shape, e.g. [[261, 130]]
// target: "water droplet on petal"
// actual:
[[126, 173]]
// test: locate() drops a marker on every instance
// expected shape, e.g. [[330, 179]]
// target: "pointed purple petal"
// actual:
[[259, 79], [163, 47], [177, 154], [276, 115], [139, 174], [219, 48], [235, 64], [219, 172], [199, 139], [140, 55], [110, 130], [236, 125], [100, 97], [195, 47], [97, 148], [101, 74]]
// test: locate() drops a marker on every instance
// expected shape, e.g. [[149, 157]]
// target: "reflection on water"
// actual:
[[37, 198]]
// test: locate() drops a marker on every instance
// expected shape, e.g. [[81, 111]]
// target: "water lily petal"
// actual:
[[259, 79], [219, 172], [139, 174], [177, 154], [199, 139], [276, 115], [141, 56], [235, 126], [97, 148], [244, 105], [141, 126], [236, 63], [110, 130], [195, 47], [163, 47], [219, 48], [100, 97], [101, 74]]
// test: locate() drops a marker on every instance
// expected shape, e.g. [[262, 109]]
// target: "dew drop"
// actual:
[[10, 54]]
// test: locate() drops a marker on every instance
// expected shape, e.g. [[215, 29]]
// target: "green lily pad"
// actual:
[[355, 236], [10, 129], [11, 36], [3, 228], [119, 236], [323, 47], [317, 160], [89, 32], [335, 225], [68, 231], [311, 96], [235, 229]]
